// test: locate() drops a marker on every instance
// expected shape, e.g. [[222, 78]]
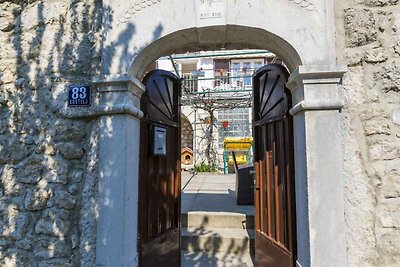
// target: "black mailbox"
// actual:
[[158, 140]]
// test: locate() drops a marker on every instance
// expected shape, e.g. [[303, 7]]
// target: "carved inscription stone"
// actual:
[[307, 4], [211, 9], [209, 12], [135, 7], [205, 9]]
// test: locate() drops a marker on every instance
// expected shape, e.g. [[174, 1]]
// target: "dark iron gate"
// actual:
[[274, 165], [159, 171]]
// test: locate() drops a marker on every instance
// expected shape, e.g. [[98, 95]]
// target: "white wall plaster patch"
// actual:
[[307, 4], [135, 7]]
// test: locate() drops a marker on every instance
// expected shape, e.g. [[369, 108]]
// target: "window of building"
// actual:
[[242, 71], [239, 124], [221, 72], [247, 71], [257, 65], [188, 71]]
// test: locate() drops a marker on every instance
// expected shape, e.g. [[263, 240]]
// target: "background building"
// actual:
[[223, 79]]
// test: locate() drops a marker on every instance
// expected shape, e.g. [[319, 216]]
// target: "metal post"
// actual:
[[224, 160], [195, 139]]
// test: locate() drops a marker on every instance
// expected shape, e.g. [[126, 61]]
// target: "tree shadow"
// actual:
[[48, 162], [205, 246], [213, 241]]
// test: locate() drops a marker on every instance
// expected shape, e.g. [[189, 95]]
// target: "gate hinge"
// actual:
[[139, 248]]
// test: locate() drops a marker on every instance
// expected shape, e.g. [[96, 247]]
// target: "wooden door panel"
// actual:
[[273, 157], [159, 176], [276, 256]]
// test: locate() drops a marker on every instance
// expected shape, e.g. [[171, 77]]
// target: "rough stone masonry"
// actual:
[[368, 41], [48, 162]]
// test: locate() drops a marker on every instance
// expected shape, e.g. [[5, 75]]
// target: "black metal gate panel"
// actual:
[[274, 165], [159, 171]]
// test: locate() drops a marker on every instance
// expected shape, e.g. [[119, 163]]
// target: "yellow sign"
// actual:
[[238, 144], [240, 159]]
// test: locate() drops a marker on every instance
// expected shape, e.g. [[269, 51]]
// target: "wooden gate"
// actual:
[[159, 171], [273, 157]]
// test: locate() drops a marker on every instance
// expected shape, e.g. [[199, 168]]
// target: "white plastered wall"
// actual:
[[136, 33]]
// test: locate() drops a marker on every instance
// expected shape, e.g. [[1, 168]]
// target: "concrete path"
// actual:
[[215, 259], [211, 192], [216, 232]]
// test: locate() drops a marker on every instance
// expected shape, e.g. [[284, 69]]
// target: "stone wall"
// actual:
[[368, 41], [47, 162], [187, 133]]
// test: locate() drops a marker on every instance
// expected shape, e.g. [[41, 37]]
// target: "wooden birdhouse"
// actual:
[[187, 156]]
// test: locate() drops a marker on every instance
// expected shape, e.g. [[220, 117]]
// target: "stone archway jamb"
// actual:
[[119, 95], [119, 139], [116, 106], [318, 165]]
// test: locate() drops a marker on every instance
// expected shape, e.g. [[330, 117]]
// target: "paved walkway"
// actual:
[[211, 192], [215, 259]]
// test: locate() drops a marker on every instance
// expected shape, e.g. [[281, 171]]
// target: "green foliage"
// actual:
[[205, 168]]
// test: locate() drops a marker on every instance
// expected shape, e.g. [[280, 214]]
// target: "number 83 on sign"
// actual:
[[79, 95]]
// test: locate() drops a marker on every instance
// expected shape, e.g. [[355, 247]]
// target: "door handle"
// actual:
[[255, 185]]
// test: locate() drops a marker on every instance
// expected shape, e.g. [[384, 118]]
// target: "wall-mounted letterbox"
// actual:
[[159, 141]]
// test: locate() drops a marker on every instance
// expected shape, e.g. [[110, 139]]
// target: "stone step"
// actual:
[[236, 241], [215, 259], [205, 220]]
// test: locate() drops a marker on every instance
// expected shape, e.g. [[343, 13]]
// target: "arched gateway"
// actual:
[[300, 32]]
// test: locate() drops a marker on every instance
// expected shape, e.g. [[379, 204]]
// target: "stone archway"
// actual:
[[187, 138], [187, 132], [138, 32], [235, 37]]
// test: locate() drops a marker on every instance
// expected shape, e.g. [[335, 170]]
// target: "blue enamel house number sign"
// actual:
[[79, 95]]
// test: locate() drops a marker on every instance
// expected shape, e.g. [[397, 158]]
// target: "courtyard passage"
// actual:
[[215, 230]]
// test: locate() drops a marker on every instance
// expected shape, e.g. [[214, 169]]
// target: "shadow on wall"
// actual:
[[48, 189], [126, 54], [43, 157]]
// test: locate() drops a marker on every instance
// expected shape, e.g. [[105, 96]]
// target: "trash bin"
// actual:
[[244, 183]]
